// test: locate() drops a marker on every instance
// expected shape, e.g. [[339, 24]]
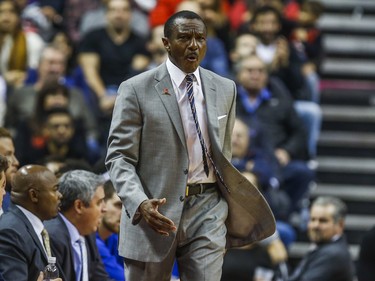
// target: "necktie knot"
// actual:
[[189, 78]]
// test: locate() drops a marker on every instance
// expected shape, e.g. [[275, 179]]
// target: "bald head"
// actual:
[[28, 177], [35, 188]]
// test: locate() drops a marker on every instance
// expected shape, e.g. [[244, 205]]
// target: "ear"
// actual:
[[78, 206], [166, 43], [33, 195]]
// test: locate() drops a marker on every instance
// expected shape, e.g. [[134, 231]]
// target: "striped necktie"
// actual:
[[190, 94], [205, 154], [46, 243]]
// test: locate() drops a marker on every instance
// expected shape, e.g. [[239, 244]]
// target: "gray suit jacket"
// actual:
[[148, 158]]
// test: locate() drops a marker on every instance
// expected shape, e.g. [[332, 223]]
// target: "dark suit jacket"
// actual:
[[61, 245], [366, 260], [22, 255], [328, 262]]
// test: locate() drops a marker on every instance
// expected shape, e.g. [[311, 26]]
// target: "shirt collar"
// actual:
[[178, 76], [263, 96], [33, 219]]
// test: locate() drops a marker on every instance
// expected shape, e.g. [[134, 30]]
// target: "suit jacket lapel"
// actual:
[[210, 95], [164, 89], [31, 230]]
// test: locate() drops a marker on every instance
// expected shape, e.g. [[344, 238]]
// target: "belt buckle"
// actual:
[[201, 188], [187, 191]]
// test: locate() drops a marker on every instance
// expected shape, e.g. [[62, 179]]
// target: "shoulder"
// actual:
[[33, 39], [145, 77], [337, 250], [10, 220], [216, 78], [15, 229], [56, 226], [97, 32]]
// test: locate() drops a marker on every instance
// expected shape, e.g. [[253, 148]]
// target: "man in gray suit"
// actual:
[[169, 151]]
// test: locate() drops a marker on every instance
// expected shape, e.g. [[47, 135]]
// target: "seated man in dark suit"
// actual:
[[330, 258], [73, 230], [23, 245]]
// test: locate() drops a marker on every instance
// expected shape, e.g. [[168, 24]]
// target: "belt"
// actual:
[[198, 188]]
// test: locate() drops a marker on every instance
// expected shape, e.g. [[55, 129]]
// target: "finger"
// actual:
[[163, 223]]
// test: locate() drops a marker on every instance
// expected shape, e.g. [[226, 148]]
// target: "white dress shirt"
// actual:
[[36, 223], [75, 239], [196, 172]]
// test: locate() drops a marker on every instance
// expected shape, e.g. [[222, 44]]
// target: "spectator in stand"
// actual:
[[3, 168], [72, 11], [33, 136], [57, 136], [329, 259], [19, 50], [284, 62], [244, 46], [216, 58], [72, 232], [42, 17], [306, 38], [52, 67], [110, 55], [61, 41], [7, 150], [107, 234], [265, 103], [24, 248], [281, 58], [156, 48], [93, 19], [251, 156], [96, 18]]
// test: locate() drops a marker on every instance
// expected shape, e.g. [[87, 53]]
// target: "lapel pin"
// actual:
[[166, 92]]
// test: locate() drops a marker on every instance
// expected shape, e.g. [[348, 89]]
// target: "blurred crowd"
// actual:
[[62, 61]]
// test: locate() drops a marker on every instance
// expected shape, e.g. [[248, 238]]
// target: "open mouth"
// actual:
[[192, 57]]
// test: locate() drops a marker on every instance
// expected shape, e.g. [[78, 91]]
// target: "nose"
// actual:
[[104, 207], [193, 44], [14, 161]]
